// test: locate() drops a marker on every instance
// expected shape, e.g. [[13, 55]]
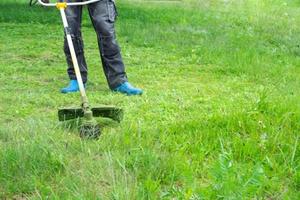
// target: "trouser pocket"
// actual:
[[112, 10]]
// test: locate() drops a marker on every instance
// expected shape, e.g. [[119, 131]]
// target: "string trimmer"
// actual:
[[89, 128]]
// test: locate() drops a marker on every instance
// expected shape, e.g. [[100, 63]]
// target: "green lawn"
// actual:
[[219, 119]]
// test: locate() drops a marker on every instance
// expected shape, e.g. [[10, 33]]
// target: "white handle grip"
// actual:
[[68, 4]]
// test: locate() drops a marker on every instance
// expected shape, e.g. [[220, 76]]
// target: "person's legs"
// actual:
[[74, 15], [103, 15]]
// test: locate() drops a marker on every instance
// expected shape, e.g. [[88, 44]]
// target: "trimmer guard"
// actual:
[[98, 111]]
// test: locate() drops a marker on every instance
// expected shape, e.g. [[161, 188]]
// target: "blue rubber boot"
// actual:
[[72, 87], [127, 88]]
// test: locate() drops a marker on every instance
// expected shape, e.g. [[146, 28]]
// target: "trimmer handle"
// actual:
[[67, 3]]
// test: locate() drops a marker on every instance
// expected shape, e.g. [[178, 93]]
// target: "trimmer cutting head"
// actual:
[[89, 128], [98, 111]]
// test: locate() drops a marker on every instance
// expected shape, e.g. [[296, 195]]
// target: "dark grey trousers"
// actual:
[[103, 15]]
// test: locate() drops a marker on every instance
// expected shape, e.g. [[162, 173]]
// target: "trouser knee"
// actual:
[[77, 43], [109, 46]]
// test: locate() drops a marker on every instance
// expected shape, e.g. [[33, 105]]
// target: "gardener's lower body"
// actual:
[[103, 14]]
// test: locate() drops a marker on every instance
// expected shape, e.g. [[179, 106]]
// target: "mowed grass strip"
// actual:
[[220, 117]]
